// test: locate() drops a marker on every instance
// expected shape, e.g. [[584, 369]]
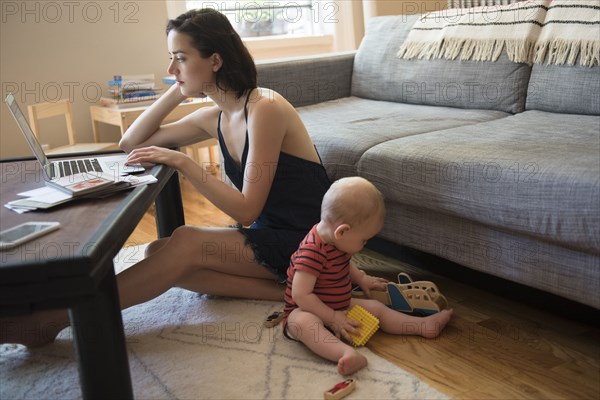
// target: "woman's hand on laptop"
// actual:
[[157, 155]]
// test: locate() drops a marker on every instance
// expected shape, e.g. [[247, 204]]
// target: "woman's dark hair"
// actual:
[[211, 32]]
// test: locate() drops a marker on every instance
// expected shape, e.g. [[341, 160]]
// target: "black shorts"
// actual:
[[273, 248]]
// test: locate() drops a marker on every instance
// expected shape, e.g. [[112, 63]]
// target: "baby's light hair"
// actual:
[[352, 200]]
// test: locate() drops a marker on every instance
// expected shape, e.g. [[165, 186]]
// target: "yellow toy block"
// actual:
[[369, 326]]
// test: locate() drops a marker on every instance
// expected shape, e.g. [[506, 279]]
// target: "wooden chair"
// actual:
[[197, 151], [41, 111]]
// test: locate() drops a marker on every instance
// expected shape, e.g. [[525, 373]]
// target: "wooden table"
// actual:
[[124, 117], [73, 267]]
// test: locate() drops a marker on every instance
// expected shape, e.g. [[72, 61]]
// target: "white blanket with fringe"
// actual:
[[477, 34], [571, 30]]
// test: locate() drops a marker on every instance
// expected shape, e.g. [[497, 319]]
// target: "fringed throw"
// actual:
[[571, 30], [477, 3], [477, 34]]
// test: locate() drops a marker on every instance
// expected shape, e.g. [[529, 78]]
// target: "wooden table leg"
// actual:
[[169, 208], [100, 343]]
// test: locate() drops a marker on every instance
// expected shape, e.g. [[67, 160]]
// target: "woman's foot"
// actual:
[[434, 324], [33, 330], [351, 362]]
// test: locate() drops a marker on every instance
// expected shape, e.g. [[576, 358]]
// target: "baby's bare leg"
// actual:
[[309, 329], [395, 322]]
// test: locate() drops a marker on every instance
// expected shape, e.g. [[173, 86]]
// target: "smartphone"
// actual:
[[20, 234]]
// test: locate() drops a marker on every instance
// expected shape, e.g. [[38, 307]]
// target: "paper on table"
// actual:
[[19, 209], [38, 198], [137, 180], [46, 197], [45, 194]]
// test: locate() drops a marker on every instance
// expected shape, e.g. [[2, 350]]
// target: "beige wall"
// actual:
[[52, 50]]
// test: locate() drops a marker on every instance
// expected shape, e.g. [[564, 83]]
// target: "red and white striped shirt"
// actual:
[[331, 267]]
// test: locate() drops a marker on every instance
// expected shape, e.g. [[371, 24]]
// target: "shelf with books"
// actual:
[[131, 91]]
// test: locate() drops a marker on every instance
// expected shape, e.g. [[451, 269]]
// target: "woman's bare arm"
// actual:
[[148, 131]]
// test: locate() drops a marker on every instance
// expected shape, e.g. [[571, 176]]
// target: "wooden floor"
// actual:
[[493, 348]]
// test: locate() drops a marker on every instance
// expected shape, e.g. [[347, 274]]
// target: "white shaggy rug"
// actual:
[[185, 346]]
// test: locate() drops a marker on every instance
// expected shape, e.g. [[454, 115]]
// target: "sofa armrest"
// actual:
[[308, 80]]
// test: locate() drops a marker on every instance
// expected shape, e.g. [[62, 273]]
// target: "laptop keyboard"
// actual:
[[72, 167]]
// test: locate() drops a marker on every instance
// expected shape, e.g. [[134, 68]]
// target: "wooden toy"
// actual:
[[407, 296], [420, 297], [369, 326], [273, 319], [340, 390]]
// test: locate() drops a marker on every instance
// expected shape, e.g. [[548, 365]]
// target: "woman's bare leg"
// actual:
[[33, 330], [206, 260]]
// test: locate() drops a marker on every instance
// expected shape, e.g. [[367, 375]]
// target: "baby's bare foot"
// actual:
[[351, 362], [33, 330], [434, 324]]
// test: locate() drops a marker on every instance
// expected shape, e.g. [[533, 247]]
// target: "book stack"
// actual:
[[169, 80], [131, 91]]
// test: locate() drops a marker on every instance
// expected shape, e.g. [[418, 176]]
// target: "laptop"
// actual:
[[75, 176]]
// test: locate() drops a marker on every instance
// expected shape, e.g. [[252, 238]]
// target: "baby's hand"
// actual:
[[344, 327], [369, 282]]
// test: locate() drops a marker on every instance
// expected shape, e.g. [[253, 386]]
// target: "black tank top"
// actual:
[[294, 201]]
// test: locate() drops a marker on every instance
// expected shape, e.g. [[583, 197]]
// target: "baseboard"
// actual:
[[515, 291]]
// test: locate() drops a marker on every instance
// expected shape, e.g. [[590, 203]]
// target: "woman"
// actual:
[[268, 155]]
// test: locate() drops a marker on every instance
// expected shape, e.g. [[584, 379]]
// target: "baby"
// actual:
[[321, 274]]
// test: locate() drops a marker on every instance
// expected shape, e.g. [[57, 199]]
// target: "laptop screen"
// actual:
[[26, 129]]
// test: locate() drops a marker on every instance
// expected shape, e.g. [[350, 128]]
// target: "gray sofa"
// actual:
[[492, 165]]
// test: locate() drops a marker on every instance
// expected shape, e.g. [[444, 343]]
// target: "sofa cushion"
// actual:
[[379, 74], [338, 127], [564, 89], [534, 173], [308, 79]]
